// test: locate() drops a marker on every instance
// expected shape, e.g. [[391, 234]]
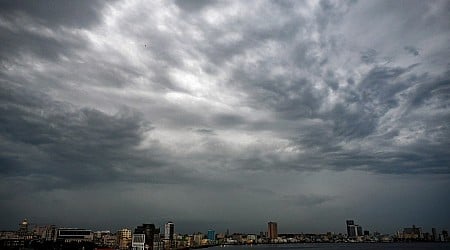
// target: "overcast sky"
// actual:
[[225, 114]]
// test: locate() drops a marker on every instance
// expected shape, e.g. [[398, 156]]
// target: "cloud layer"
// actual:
[[186, 101]]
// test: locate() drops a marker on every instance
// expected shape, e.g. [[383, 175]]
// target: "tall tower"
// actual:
[[169, 231], [350, 224], [353, 230], [273, 230]]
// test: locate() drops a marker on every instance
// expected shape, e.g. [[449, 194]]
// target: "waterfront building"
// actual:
[[68, 235], [353, 230], [273, 230], [444, 235], [211, 235], [197, 239], [412, 233], [434, 234]]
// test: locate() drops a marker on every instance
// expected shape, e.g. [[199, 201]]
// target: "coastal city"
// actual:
[[148, 236]]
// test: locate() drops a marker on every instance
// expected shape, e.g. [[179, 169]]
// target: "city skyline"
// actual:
[[225, 114], [149, 236], [167, 230]]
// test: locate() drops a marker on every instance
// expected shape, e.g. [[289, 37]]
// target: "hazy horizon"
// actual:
[[225, 114]]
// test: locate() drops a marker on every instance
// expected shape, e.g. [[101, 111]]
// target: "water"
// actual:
[[339, 246]]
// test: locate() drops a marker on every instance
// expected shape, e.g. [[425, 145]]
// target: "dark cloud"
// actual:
[[50, 13], [53, 145], [307, 200]]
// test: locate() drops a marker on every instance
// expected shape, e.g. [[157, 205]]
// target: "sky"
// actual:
[[225, 114]]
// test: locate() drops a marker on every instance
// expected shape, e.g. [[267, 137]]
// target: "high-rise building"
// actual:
[[273, 230], [169, 231], [149, 230], [349, 223], [353, 230], [124, 238], [211, 235]]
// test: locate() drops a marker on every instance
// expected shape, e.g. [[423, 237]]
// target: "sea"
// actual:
[[341, 246]]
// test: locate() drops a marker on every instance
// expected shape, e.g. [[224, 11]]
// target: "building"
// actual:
[[109, 241], [273, 230], [138, 242], [349, 224], [169, 232], [412, 233], [149, 231], [99, 235], [444, 235], [353, 231], [68, 235], [197, 239], [23, 227], [50, 233], [211, 235], [124, 238]]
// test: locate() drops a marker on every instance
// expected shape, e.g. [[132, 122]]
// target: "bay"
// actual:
[[339, 246]]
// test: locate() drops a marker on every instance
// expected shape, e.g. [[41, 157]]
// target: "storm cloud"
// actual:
[[225, 114]]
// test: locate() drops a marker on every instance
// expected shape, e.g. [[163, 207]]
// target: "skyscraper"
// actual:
[[273, 230], [211, 235], [169, 231], [349, 223], [353, 230]]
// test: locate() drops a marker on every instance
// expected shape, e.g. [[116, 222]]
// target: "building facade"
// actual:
[[124, 238], [68, 235], [149, 230], [272, 230], [138, 242], [353, 230], [211, 235]]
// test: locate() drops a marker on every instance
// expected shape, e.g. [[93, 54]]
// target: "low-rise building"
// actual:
[[75, 235]]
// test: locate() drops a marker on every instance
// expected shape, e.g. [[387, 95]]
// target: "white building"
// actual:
[[169, 230], [138, 242]]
